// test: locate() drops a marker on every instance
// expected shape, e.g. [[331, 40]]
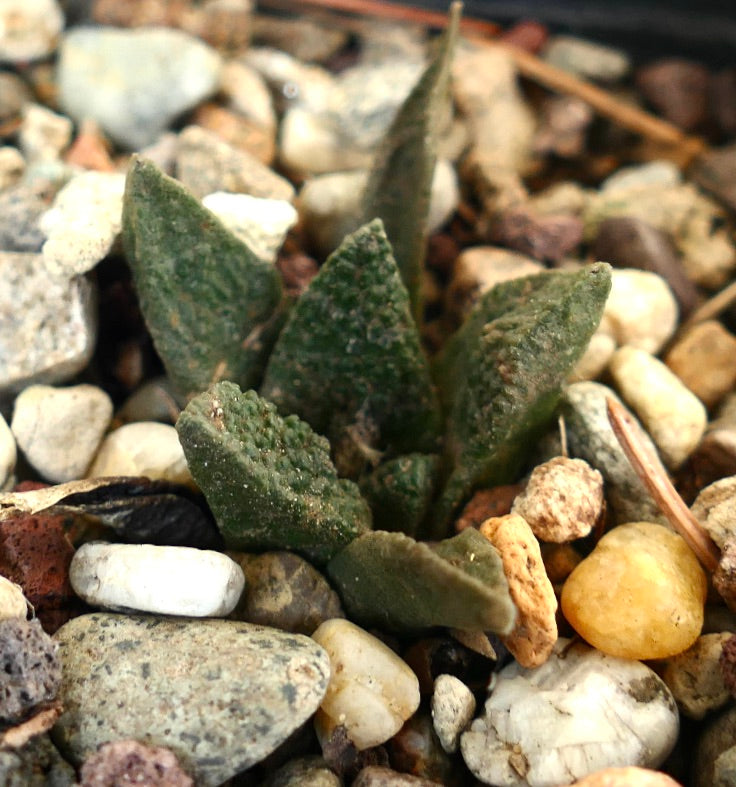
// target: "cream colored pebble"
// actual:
[[535, 632], [562, 501], [627, 776], [13, 603], [372, 692], [453, 707], [674, 417]]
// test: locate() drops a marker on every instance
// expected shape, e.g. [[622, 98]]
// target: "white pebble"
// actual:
[[43, 134], [60, 429], [674, 417], [372, 692], [168, 580], [12, 166], [453, 706], [29, 29], [143, 448], [8, 452], [13, 603], [261, 224], [83, 223]]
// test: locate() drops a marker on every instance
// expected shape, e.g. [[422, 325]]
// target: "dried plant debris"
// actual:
[[391, 581], [349, 359], [399, 185], [501, 374], [188, 267], [137, 509], [268, 480], [400, 492]]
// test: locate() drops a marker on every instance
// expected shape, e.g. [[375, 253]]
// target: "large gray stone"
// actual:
[[221, 695], [134, 82]]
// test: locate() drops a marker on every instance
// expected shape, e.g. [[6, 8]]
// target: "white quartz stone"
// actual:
[[261, 224], [144, 448], [674, 417], [29, 29], [83, 223], [578, 713], [169, 580], [60, 429], [453, 706], [8, 452], [372, 692], [12, 601]]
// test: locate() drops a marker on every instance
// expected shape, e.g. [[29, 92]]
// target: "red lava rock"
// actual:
[[529, 35], [727, 663], [35, 553], [542, 237], [30, 669], [677, 89], [130, 762], [486, 503]]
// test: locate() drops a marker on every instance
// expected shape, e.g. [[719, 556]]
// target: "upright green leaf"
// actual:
[[349, 359], [268, 480], [398, 187], [503, 371], [208, 301], [391, 581]]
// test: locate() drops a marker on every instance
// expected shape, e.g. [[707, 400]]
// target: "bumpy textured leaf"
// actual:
[[503, 371], [349, 360], [209, 302], [268, 480], [399, 185], [391, 581], [400, 492]]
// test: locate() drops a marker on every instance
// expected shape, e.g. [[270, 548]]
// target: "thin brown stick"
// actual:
[[660, 487]]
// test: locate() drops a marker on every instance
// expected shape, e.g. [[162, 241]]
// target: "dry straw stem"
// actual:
[[656, 481]]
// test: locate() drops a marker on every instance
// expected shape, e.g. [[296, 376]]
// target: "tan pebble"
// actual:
[[627, 777], [674, 417], [595, 358], [724, 577], [562, 501], [13, 603], [535, 633], [715, 509], [694, 676], [640, 593], [703, 360]]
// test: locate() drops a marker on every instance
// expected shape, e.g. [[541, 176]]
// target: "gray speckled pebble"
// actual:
[[37, 764], [221, 695], [590, 437]]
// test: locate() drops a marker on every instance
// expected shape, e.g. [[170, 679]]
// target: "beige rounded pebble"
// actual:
[[715, 509], [703, 360], [372, 692], [674, 417], [60, 429], [640, 593], [627, 777], [641, 310], [562, 501], [453, 707], [535, 632], [8, 453], [694, 676], [143, 448], [13, 603]]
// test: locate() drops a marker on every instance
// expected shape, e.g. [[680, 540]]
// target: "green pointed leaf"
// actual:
[[503, 372], [400, 492], [208, 301], [399, 184], [391, 581], [349, 359], [268, 480]]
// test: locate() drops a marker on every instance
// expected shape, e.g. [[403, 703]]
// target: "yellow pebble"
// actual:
[[640, 594]]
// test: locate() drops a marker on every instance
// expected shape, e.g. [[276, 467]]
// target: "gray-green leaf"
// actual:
[[391, 581], [349, 359], [268, 480], [502, 373], [208, 301], [399, 184]]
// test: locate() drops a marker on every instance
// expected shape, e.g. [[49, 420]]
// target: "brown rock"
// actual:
[[628, 242], [559, 561], [487, 503], [296, 270], [677, 89], [416, 750], [236, 130], [535, 633], [562, 501], [627, 777], [723, 100], [703, 359], [547, 238], [724, 577], [715, 171], [528, 34], [130, 762], [375, 776]]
